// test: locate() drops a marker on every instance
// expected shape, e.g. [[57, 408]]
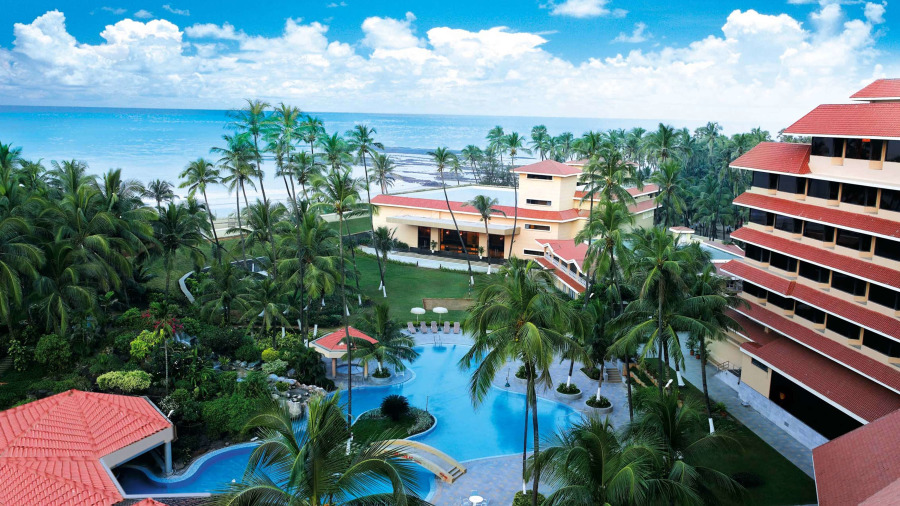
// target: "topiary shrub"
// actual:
[[53, 351], [602, 402], [747, 480], [525, 499], [395, 407], [277, 367], [124, 381], [270, 354], [568, 389]]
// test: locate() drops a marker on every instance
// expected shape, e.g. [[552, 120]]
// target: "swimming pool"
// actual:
[[718, 255], [463, 432], [505, 196]]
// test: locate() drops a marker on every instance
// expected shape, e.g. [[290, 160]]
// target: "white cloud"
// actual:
[[583, 9], [638, 35], [143, 14], [759, 68], [875, 13], [332, 5], [118, 11], [173, 10]]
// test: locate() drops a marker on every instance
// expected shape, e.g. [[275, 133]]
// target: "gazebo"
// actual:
[[334, 346]]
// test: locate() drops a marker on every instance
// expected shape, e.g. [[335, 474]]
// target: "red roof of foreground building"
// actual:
[[847, 357], [881, 89], [877, 120], [828, 215], [335, 340], [820, 256], [562, 274], [549, 168], [860, 467], [50, 449], [862, 397], [782, 157], [752, 330], [461, 207], [567, 250], [149, 502]]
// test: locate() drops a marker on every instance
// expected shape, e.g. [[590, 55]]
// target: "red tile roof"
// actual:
[[335, 340], [856, 313], [567, 250], [149, 502], [461, 207], [50, 449], [752, 330], [783, 157], [862, 397], [858, 467], [549, 168], [642, 207], [580, 162], [852, 266], [829, 215], [634, 192], [881, 89], [730, 248], [877, 120], [878, 371], [562, 274]]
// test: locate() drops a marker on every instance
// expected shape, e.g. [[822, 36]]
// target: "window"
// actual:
[[762, 217], [756, 253], [783, 262], [890, 200], [539, 176], [543, 228], [759, 364], [848, 284], [893, 152], [827, 146], [782, 302], [823, 189], [842, 327], [765, 180], [887, 248], [536, 202], [810, 313], [854, 240], [859, 195], [884, 296], [818, 231], [755, 290], [533, 252], [788, 224], [864, 149], [792, 184], [814, 272], [881, 344]]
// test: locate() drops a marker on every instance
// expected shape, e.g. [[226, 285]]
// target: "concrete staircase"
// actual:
[[5, 365], [613, 375]]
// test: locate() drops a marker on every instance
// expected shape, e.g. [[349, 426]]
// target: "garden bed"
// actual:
[[373, 423]]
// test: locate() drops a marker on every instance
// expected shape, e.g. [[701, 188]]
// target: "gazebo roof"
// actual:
[[335, 341]]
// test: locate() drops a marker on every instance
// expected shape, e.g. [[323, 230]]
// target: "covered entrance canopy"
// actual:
[[465, 226]]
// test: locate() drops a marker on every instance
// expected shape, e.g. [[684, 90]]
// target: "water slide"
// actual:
[[442, 465]]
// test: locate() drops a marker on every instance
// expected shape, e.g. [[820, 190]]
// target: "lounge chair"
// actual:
[[410, 327], [456, 329], [446, 327], [424, 328], [434, 327]]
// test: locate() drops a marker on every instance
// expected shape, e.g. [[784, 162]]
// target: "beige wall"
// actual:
[[754, 377], [727, 351]]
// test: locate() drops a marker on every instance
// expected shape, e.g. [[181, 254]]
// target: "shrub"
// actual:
[[224, 341], [270, 354], [228, 382], [277, 367], [122, 342], [282, 386], [19, 354], [226, 416], [602, 402], [381, 373], [124, 381], [568, 389], [424, 421], [192, 326], [247, 353], [592, 373], [105, 362], [520, 373], [48, 386], [308, 367], [132, 319], [182, 405], [53, 351], [521, 499], [254, 386], [395, 407], [747, 479], [143, 344]]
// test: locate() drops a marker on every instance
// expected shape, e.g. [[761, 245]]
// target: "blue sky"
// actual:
[[611, 58]]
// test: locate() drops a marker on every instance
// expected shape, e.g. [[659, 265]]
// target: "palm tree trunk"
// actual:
[[237, 199], [168, 273], [532, 397], [705, 388], [262, 188], [659, 340], [458, 233], [355, 270], [525, 441], [487, 235], [212, 225], [515, 216], [244, 190], [345, 323], [628, 383], [372, 226]]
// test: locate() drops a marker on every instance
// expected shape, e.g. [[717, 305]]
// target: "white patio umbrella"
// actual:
[[440, 310], [417, 311]]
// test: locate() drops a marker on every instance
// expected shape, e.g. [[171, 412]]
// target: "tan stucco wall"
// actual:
[[754, 377], [727, 351]]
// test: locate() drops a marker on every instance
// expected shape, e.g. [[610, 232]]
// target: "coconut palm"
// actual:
[[564, 144], [265, 306], [540, 141], [236, 162], [392, 347], [282, 130], [67, 176], [497, 141], [660, 145], [319, 464], [222, 292], [485, 206], [442, 158], [517, 316], [339, 191], [65, 286], [177, 230], [10, 157], [383, 168], [196, 176], [160, 191], [709, 133], [514, 143], [335, 151], [306, 168], [383, 242], [472, 154], [264, 220], [311, 130], [19, 259], [251, 120], [362, 142], [670, 183]]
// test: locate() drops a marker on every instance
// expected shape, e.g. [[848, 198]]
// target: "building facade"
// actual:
[[820, 349]]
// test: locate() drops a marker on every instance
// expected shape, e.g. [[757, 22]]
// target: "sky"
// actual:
[[750, 61]]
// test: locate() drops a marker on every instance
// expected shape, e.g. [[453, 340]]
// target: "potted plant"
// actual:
[[433, 246], [520, 375], [601, 406], [481, 252], [566, 392], [380, 376], [692, 343]]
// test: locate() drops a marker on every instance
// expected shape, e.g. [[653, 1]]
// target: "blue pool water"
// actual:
[[718, 254], [463, 431], [467, 193]]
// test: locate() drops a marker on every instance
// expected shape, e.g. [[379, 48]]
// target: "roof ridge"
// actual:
[[33, 406]]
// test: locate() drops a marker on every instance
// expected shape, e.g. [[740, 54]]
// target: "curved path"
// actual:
[[442, 465]]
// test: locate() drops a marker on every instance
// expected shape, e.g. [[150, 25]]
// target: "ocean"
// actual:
[[157, 143]]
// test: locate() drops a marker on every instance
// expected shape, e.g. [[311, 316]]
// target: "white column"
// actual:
[[168, 452]]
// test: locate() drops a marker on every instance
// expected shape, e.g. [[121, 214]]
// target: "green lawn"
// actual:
[[782, 481], [354, 225]]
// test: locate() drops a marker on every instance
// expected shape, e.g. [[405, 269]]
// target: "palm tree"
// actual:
[[392, 346], [564, 145], [236, 158], [670, 183], [339, 191], [485, 206], [177, 230], [472, 154], [443, 157], [336, 151], [281, 132], [264, 220], [517, 316], [19, 258], [514, 143], [160, 191], [265, 302], [540, 141], [311, 130], [222, 292], [383, 171], [67, 176], [10, 157], [306, 167], [709, 133], [383, 242], [661, 143], [319, 464], [457, 169], [496, 141], [363, 143], [64, 287], [252, 121], [197, 176]]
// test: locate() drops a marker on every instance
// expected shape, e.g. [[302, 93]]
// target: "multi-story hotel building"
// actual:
[[820, 348]]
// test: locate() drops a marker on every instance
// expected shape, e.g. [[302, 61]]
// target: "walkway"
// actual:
[[497, 479], [434, 261]]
